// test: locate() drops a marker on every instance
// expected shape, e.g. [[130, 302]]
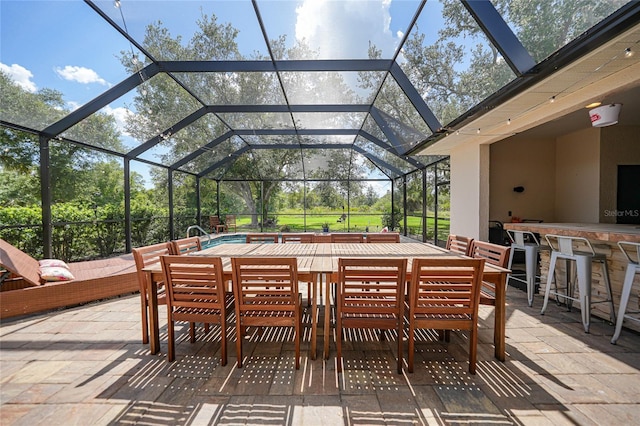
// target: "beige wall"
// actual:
[[523, 162], [578, 177], [619, 145], [571, 178]]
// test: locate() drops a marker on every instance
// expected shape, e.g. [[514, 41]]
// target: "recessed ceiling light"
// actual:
[[593, 104]]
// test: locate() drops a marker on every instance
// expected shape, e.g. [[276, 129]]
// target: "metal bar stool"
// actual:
[[528, 243], [564, 249], [632, 253]]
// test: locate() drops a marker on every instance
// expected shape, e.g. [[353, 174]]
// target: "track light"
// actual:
[[628, 52], [552, 99]]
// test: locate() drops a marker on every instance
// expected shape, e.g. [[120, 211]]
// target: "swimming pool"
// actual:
[[224, 239]]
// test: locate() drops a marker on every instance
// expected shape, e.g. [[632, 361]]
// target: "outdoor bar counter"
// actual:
[[604, 238]]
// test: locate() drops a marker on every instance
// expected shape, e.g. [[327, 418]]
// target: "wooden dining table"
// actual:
[[318, 265]]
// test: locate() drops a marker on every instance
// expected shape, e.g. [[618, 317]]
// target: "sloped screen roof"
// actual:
[[197, 85]]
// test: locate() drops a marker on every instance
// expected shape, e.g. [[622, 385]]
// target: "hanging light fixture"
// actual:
[[605, 115]]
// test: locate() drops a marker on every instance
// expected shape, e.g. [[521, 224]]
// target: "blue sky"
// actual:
[[65, 45]]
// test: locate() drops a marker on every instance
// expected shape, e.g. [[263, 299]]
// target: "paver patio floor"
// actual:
[[87, 365]]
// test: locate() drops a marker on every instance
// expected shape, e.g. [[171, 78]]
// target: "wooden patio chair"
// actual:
[[347, 237], [444, 295], [230, 222], [297, 238], [186, 245], [302, 239], [145, 257], [370, 295], [493, 254], [195, 293], [215, 225], [262, 238], [383, 237], [459, 244], [259, 304]]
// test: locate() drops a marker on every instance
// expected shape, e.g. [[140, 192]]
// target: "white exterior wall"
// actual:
[[470, 191]]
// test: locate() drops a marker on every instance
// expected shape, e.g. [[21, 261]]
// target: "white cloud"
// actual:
[[343, 30], [120, 114], [74, 105], [80, 74], [20, 75]]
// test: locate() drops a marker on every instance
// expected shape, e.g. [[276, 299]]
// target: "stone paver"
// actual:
[[87, 365]]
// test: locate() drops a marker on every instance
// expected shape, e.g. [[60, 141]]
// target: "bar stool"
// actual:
[[633, 267], [528, 243], [582, 260]]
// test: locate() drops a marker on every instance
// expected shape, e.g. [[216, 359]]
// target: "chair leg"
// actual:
[[297, 337], [624, 300], [510, 264], [171, 351], [583, 266], [223, 341], [400, 331], [239, 338], [531, 260], [550, 275], [339, 343], [473, 349], [144, 307], [411, 348], [192, 332]]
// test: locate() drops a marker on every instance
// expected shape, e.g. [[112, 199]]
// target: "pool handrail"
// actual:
[[199, 229]]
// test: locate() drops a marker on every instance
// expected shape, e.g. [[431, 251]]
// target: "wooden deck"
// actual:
[[87, 366]]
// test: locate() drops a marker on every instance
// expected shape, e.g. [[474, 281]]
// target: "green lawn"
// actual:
[[354, 223]]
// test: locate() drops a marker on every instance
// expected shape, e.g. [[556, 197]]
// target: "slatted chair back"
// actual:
[[297, 238], [145, 257], [262, 238], [347, 237], [493, 254], [383, 237], [195, 293], [444, 295], [322, 238], [186, 245], [266, 294], [459, 244], [302, 239], [230, 222], [370, 294]]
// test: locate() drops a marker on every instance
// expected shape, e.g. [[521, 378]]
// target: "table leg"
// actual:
[[152, 297], [327, 314], [499, 334], [314, 315]]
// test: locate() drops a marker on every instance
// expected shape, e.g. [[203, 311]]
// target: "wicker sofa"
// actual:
[[22, 291]]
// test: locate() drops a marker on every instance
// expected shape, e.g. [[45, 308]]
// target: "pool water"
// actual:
[[224, 239]]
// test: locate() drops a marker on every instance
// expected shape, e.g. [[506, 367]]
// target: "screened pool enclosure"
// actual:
[[124, 123]]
